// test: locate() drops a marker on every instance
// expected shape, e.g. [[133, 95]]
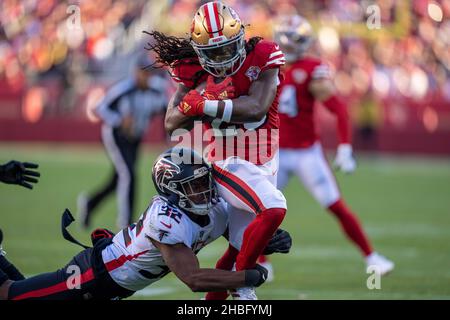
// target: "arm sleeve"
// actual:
[[104, 111], [337, 106], [108, 116], [124, 106], [321, 71]]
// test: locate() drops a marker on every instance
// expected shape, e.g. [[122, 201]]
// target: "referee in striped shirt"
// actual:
[[125, 112]]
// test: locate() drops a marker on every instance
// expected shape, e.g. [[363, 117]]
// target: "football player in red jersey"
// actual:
[[307, 81], [238, 107]]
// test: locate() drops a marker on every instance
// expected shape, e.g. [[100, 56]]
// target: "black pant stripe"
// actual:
[[239, 189]]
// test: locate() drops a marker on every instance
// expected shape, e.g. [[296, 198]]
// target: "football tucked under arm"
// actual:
[[186, 105], [224, 106], [251, 107]]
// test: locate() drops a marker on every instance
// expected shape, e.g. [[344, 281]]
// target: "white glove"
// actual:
[[344, 160]]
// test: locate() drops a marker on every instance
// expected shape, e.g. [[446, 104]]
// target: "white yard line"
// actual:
[[151, 292]]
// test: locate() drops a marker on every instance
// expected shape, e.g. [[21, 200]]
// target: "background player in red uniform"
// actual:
[[241, 115], [307, 81]]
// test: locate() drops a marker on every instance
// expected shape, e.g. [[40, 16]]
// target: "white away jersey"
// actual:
[[134, 262]]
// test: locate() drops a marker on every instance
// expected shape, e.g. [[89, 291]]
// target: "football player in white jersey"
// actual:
[[185, 217]]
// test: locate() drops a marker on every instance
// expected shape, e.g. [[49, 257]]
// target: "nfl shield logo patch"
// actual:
[[253, 72]]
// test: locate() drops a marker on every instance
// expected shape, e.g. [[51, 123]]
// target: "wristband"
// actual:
[[211, 107], [227, 111]]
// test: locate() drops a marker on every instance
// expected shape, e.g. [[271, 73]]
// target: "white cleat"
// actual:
[[269, 267], [82, 210], [244, 293], [2, 252], [378, 263]]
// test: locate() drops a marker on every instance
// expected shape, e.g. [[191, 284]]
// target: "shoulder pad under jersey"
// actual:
[[268, 55]]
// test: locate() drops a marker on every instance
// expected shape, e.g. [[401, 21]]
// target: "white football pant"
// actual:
[[312, 168]]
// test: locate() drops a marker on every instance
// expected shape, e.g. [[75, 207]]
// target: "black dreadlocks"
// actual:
[[170, 50]]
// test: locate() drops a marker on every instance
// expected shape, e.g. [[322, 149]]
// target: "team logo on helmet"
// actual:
[[164, 170], [253, 72]]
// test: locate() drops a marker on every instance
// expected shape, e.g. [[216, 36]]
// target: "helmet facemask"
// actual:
[[197, 193], [224, 58], [293, 45]]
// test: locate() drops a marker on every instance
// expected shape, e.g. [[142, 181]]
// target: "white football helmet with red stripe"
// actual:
[[294, 35], [217, 36]]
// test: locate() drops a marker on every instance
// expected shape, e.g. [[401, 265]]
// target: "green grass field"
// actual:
[[404, 204]]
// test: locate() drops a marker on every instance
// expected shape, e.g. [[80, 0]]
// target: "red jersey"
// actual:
[[256, 142], [297, 103]]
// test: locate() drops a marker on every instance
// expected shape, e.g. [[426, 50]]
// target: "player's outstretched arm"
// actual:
[[182, 261], [174, 118], [324, 91]]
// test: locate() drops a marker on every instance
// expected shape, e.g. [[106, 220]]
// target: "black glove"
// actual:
[[15, 172], [256, 276], [281, 242]]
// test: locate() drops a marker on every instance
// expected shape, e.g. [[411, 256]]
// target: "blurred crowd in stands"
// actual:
[[58, 52]]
